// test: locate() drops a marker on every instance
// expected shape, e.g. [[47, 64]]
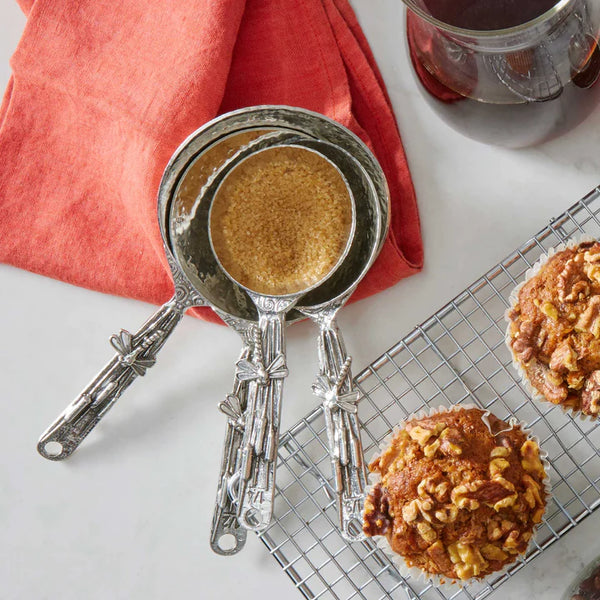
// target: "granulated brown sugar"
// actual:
[[281, 220]]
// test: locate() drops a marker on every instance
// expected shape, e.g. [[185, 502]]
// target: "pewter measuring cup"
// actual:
[[201, 284], [334, 383], [135, 354], [193, 249], [227, 537], [322, 305], [316, 127], [266, 374]]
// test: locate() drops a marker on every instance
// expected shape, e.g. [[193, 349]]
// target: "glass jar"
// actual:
[[586, 585], [513, 87]]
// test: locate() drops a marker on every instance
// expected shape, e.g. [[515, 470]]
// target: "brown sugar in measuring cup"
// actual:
[[281, 220]]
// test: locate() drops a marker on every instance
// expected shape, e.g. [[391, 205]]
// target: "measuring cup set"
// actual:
[[190, 182]]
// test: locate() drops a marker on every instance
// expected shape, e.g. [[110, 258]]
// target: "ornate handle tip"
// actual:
[[53, 449]]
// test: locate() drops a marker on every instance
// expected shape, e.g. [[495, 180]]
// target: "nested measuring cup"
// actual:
[[334, 385], [198, 284], [266, 373], [227, 537], [369, 187]]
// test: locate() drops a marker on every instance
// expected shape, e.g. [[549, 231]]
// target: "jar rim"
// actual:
[[491, 33]]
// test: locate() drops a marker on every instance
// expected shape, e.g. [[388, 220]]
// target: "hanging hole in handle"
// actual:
[[53, 449], [227, 542]]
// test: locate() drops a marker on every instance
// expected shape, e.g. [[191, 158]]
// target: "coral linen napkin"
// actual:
[[103, 92]]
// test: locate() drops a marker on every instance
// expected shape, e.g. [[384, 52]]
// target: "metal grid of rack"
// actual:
[[457, 356]]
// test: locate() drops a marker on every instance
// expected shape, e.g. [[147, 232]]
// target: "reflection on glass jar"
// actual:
[[523, 73]]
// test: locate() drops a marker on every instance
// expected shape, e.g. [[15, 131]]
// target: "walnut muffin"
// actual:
[[554, 329], [460, 493]]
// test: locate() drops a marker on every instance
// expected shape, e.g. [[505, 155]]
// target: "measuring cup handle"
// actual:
[[135, 354], [339, 402], [261, 437], [225, 522]]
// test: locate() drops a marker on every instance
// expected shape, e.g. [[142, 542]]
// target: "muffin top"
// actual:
[[459, 495], [554, 329]]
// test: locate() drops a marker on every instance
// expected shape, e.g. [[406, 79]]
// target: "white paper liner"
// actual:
[[513, 301], [443, 581]]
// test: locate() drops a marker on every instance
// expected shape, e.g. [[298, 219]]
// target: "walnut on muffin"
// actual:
[[460, 493], [554, 329]]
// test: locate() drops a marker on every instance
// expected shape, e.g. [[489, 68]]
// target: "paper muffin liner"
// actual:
[[513, 301], [442, 581]]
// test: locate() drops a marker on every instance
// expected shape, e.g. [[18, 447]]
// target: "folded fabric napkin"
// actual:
[[103, 92]]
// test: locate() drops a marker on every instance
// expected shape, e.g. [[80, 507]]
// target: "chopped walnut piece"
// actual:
[[442, 491], [588, 319], [538, 515], [580, 291], [461, 495], [497, 493], [437, 553], [532, 491], [498, 466], [511, 542], [494, 531], [426, 487], [433, 486], [523, 349], [410, 511], [377, 517], [531, 459], [564, 358], [565, 279], [420, 434], [424, 505], [546, 382], [549, 310], [431, 448], [451, 440], [427, 532], [575, 380], [592, 256], [447, 514], [500, 452], [467, 560], [492, 552], [590, 397], [592, 270]]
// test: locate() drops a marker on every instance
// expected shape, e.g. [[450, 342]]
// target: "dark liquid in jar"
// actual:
[[486, 15], [467, 99]]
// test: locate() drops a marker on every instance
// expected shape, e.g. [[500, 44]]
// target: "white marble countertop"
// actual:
[[127, 517]]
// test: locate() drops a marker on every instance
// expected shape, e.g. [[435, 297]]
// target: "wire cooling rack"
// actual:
[[457, 356]]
